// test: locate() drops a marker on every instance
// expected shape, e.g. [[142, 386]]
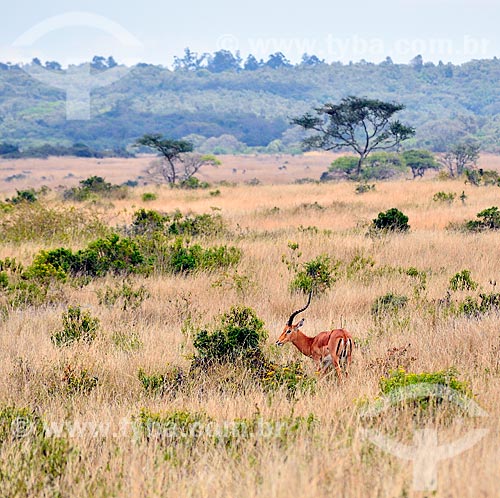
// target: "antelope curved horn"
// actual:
[[295, 313]]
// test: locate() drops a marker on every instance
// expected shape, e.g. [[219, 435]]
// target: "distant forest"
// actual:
[[226, 105]]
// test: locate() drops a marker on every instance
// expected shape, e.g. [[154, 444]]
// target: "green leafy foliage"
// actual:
[[488, 219], [126, 296], [477, 307], [462, 281], [171, 427], [148, 197], [316, 275], [392, 220], [167, 382], [78, 326], [113, 254], [29, 196], [239, 334], [93, 188], [77, 381], [127, 342], [201, 225], [290, 377], [481, 177], [181, 257], [444, 197], [400, 380], [387, 305]]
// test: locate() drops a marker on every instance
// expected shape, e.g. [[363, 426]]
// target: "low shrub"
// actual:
[[444, 197], [488, 219], [316, 275], [127, 296], [388, 305], [399, 384], [148, 222], [481, 177], [149, 196], [127, 342], [462, 281], [170, 428], [77, 381], [28, 196], [113, 254], [205, 225], [476, 307], [180, 257], [78, 325], [239, 334], [392, 220], [93, 188], [290, 377], [167, 382], [202, 225]]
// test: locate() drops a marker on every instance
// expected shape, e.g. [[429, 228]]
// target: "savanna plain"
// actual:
[[129, 403]]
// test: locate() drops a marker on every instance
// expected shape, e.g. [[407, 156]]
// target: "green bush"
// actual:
[[171, 427], [148, 222], [93, 188], [202, 225], [77, 381], [207, 225], [391, 220], [168, 381], [127, 342], [181, 257], [447, 197], [489, 219], [239, 334], [192, 183], [78, 325], [29, 196], [474, 308], [480, 177], [290, 377], [112, 254], [149, 196], [462, 281], [400, 379], [389, 304], [316, 275], [127, 296]]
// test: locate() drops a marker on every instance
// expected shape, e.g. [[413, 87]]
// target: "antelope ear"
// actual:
[[300, 323]]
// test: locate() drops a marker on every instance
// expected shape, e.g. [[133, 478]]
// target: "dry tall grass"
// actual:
[[333, 458]]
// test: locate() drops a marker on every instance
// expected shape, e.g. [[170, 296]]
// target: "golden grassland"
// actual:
[[270, 168], [332, 459]]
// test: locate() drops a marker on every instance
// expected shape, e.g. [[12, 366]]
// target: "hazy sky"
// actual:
[[154, 30]]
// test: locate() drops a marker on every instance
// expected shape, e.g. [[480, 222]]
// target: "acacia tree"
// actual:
[[460, 156], [360, 124], [419, 161], [177, 160]]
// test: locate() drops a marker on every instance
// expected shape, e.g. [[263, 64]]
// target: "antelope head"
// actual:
[[290, 330]]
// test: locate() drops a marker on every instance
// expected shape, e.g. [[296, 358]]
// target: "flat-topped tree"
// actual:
[[360, 124], [178, 162]]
